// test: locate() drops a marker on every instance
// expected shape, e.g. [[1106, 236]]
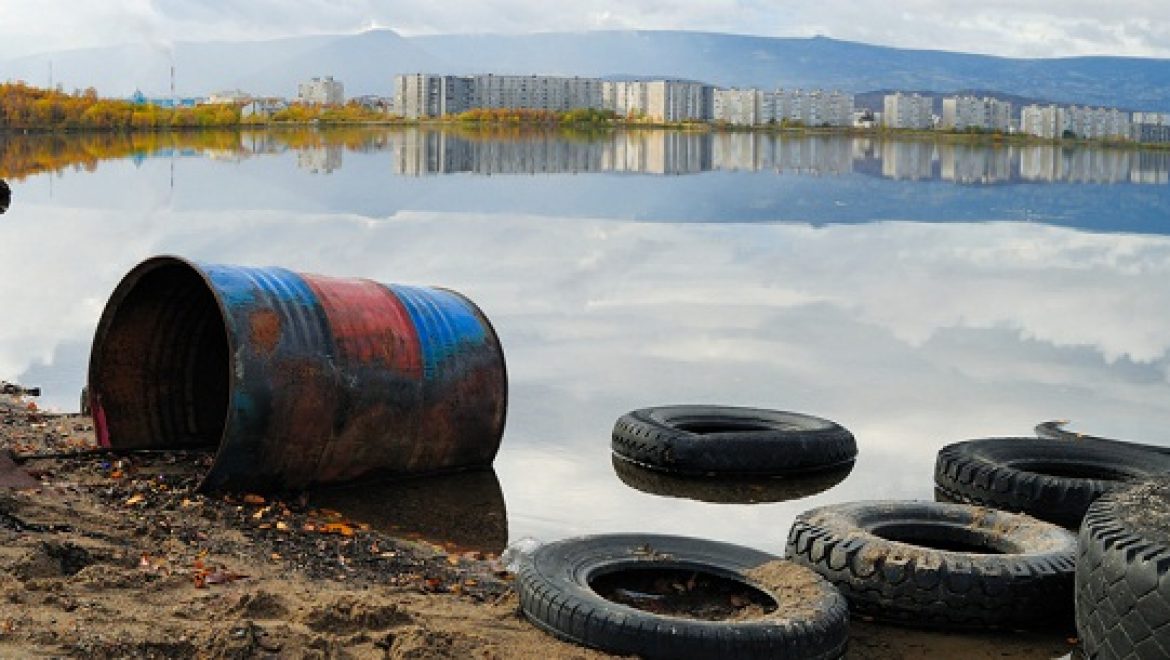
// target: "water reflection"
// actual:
[[728, 490], [461, 512], [419, 152], [911, 335]]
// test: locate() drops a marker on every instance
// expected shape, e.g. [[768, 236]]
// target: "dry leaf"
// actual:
[[253, 499], [136, 498]]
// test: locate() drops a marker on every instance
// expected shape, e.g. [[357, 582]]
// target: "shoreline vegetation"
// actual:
[[25, 109], [54, 130]]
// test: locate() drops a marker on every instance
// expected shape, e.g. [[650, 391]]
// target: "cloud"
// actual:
[[1045, 28]]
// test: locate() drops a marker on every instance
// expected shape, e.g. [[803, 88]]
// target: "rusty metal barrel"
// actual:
[[296, 379]]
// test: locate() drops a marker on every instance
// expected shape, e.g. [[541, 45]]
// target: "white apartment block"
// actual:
[[426, 95], [1046, 121], [813, 108], [907, 111], [739, 107], [321, 91], [1055, 122], [960, 113], [535, 92], [626, 98], [1151, 126], [676, 100]]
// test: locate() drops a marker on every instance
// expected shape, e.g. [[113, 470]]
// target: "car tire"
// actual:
[[1123, 575], [689, 439], [1053, 480], [933, 565], [554, 583]]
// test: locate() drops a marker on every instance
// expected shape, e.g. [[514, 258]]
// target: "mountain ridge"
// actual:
[[366, 63]]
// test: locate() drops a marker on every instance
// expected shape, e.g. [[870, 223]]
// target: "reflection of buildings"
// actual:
[[970, 164], [1086, 165], [321, 159], [675, 152], [908, 160]]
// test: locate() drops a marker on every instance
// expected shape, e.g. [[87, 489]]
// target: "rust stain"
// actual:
[[265, 330]]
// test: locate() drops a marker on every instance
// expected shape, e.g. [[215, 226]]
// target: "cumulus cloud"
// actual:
[[1044, 28]]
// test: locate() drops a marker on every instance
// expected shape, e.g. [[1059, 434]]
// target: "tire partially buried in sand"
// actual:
[[621, 594], [1123, 575], [935, 565], [690, 439], [1054, 480]]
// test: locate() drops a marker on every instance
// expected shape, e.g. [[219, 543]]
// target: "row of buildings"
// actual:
[[423, 95], [1053, 122]]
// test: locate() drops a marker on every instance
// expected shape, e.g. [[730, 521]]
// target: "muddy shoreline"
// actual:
[[117, 556]]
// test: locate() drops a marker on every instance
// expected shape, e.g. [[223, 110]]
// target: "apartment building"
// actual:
[[677, 100], [809, 108], [535, 92], [321, 91], [426, 95], [907, 111], [1056, 122], [961, 113], [1150, 127], [1046, 121], [740, 107]]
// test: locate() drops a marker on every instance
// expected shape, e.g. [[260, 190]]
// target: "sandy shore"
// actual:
[[112, 557]]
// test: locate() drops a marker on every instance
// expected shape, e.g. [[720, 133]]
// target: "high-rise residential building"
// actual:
[[321, 91], [739, 107], [425, 95], [1151, 127], [1046, 121], [907, 111], [960, 113], [678, 100], [1057, 122]]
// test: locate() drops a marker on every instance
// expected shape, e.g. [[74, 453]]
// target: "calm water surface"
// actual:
[[917, 293]]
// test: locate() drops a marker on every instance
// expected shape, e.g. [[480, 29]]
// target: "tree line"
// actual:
[[27, 108]]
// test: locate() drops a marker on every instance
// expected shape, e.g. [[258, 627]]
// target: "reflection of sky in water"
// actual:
[[909, 334]]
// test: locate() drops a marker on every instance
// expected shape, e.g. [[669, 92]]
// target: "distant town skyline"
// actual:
[[1041, 28]]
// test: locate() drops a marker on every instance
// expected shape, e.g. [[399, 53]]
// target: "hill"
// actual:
[[367, 62]]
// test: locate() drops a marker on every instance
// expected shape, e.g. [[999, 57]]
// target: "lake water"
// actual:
[[917, 293]]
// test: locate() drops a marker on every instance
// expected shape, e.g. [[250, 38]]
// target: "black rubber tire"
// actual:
[[553, 583], [1023, 474], [728, 490], [1055, 431], [1026, 582], [730, 440], [1123, 575]]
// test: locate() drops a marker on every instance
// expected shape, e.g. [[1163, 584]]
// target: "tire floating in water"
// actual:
[[1123, 575], [691, 439], [937, 565], [1054, 480], [646, 595]]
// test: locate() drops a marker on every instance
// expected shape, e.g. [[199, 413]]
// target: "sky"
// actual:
[[1033, 28]]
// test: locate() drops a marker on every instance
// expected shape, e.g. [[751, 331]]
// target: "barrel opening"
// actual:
[[160, 370]]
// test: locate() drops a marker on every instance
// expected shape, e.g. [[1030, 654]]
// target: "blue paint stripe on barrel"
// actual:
[[445, 321]]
